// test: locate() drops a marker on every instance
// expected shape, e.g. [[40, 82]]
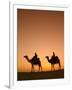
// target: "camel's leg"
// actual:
[[41, 68], [32, 68], [59, 65], [51, 67]]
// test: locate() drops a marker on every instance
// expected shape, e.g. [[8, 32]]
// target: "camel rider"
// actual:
[[35, 56], [53, 56]]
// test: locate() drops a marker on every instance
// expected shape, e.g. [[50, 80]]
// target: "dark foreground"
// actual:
[[40, 75]]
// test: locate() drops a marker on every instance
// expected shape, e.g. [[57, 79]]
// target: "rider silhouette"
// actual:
[[53, 56], [35, 56]]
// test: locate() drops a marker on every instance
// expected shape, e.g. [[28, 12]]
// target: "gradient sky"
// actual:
[[39, 31]]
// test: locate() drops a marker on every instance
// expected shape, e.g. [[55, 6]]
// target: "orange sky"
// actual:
[[42, 32]]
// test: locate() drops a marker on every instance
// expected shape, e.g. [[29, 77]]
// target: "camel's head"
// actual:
[[25, 56], [47, 57]]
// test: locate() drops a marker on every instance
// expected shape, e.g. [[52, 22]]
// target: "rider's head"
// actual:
[[53, 54], [35, 54]]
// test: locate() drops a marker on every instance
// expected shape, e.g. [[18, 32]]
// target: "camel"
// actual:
[[34, 61], [54, 61]]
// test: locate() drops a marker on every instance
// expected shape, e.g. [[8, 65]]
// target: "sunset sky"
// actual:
[[42, 32]]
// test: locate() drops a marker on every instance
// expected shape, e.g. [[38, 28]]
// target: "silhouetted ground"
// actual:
[[40, 75]]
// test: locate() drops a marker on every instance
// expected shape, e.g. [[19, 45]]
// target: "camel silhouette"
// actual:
[[34, 61], [53, 61]]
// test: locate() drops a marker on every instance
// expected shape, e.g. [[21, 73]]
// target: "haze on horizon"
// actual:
[[42, 32]]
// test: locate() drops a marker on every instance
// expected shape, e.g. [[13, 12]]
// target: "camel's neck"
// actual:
[[27, 59], [49, 60]]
